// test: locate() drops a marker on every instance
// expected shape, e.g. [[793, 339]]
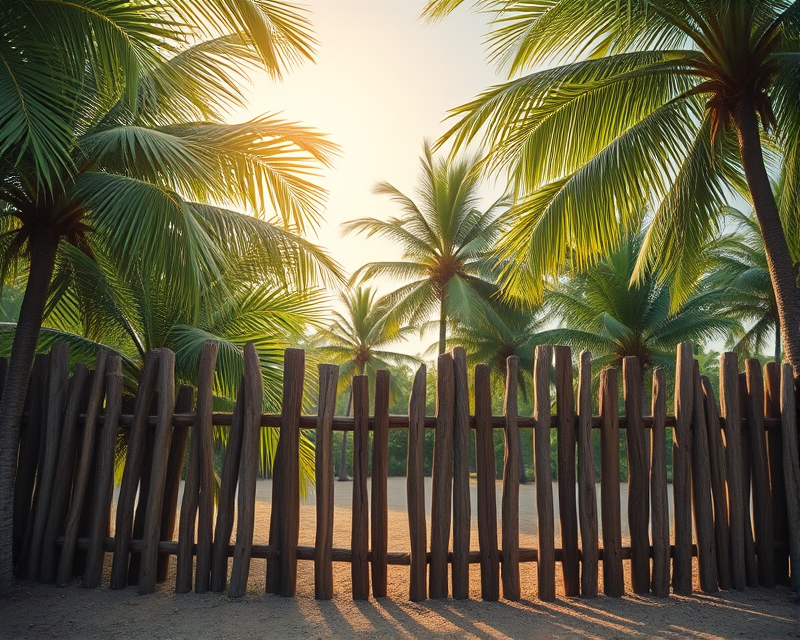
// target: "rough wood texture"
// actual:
[[729, 407], [379, 531], [716, 458], [587, 497], [701, 491], [158, 472], [101, 509], [132, 473], [791, 469], [565, 426], [658, 487], [511, 475], [681, 470], [56, 402], [772, 409], [487, 502], [323, 546], [749, 542], [248, 473], [359, 535], [227, 496], [762, 496], [442, 481], [137, 533], [613, 579], [546, 565], [638, 493], [177, 454], [83, 470], [202, 432], [415, 487], [461, 492]]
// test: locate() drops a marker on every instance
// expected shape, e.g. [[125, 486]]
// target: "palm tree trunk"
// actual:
[[779, 259], [343, 477], [43, 255], [443, 325], [778, 343]]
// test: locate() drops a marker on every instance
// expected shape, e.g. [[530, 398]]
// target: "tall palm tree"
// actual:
[[653, 100], [445, 240], [357, 341]]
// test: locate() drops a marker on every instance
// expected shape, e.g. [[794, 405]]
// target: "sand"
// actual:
[[41, 611]]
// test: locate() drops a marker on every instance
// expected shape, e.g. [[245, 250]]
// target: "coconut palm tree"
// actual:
[[660, 101], [357, 341], [445, 240]]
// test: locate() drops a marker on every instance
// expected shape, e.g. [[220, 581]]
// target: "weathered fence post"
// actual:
[[461, 492], [415, 487], [586, 491], [511, 473], [747, 478], [544, 484], [487, 502], [772, 409], [613, 579], [658, 487], [359, 538], [681, 470], [791, 468], [379, 512], [323, 546]]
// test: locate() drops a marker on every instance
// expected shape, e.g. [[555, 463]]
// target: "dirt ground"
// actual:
[[39, 611]]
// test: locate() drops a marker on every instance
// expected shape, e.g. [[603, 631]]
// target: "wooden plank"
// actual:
[[613, 580], [461, 492], [749, 542], [716, 457], [772, 409], [546, 566], [137, 533], [227, 496], [587, 497], [379, 531], [323, 546], [681, 470], [442, 481], [729, 407], [132, 472], [487, 502], [638, 493], [511, 475], [415, 487], [104, 482], [762, 496], [658, 487], [84, 468], [701, 491], [62, 485], [177, 454], [56, 402], [248, 472], [567, 508], [791, 469], [359, 535]]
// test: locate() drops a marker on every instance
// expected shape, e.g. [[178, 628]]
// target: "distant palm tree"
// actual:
[[445, 241], [357, 341]]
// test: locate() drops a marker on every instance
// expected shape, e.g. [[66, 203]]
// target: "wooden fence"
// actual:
[[736, 480]]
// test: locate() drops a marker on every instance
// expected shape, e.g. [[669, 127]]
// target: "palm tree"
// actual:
[[357, 341], [111, 127], [654, 101], [445, 240]]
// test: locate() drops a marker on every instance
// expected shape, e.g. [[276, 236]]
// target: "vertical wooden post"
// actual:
[[586, 491], [323, 547], [101, 509], [137, 533], [461, 492], [772, 409], [613, 579], [716, 457], [359, 538], [442, 481], [791, 469], [729, 405], [132, 473], [638, 494], [415, 487], [681, 470], [762, 496], [749, 542], [487, 502], [158, 473], [511, 472], [565, 429], [248, 472], [701, 491], [380, 499], [544, 484], [658, 487]]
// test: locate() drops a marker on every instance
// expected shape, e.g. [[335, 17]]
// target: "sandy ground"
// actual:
[[38, 611]]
